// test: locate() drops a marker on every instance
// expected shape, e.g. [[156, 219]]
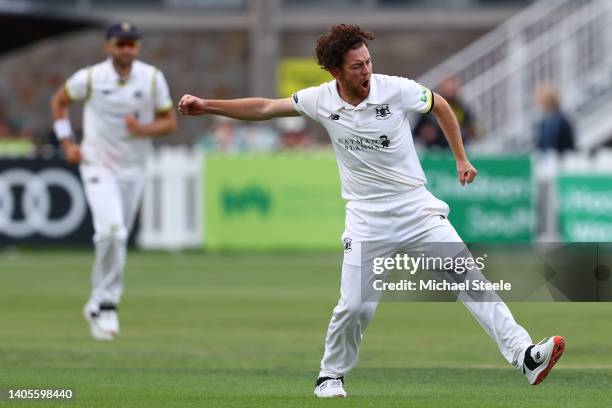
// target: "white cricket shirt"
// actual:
[[108, 99], [373, 142]]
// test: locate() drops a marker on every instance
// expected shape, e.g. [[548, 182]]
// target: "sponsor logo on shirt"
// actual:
[[295, 97], [383, 112], [364, 144], [138, 94], [334, 116]]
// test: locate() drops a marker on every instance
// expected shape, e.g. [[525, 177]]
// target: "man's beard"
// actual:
[[123, 63]]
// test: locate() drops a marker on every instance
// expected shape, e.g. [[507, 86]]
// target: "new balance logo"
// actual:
[[334, 116]]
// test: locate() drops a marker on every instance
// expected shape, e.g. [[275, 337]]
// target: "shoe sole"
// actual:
[[558, 349], [330, 396]]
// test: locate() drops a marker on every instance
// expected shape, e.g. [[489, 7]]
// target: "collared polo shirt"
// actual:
[[372, 141], [107, 100]]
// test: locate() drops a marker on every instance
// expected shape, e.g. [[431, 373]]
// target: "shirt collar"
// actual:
[[373, 97], [115, 74]]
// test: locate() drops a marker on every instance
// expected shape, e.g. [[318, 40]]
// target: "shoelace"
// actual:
[[330, 383], [334, 383]]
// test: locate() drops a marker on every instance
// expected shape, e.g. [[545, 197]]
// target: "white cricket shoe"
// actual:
[[327, 387], [108, 319], [98, 327], [541, 358]]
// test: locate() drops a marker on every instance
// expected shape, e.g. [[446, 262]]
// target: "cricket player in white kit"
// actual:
[[366, 116], [126, 103]]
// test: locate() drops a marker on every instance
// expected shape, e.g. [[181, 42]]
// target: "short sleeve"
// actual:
[[305, 102], [163, 101], [415, 97], [77, 86]]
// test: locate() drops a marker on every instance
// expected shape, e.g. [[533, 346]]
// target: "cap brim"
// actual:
[[124, 36]]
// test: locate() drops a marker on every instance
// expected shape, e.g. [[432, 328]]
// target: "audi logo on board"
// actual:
[[36, 201], [42, 201]]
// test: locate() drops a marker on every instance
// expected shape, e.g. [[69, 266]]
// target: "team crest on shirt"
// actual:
[[383, 112], [384, 141], [348, 245]]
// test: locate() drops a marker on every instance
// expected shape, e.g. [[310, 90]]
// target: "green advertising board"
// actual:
[[292, 201], [272, 201], [497, 207], [585, 208]]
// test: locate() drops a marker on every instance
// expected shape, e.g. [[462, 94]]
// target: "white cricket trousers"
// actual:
[[114, 198], [410, 219]]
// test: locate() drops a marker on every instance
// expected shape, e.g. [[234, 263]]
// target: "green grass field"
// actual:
[[205, 330]]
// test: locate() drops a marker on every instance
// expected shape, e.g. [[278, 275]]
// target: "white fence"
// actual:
[[173, 203]]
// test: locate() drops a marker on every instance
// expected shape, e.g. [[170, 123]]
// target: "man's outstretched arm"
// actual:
[[449, 125], [252, 109]]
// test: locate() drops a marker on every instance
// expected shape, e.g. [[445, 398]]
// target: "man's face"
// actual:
[[122, 51], [354, 75]]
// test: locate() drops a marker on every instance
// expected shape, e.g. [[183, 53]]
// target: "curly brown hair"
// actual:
[[333, 45]]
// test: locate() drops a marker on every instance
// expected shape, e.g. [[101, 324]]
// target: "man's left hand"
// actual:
[[467, 173], [133, 126]]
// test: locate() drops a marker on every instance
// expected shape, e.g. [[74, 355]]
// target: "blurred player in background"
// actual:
[[427, 129], [126, 103], [365, 115]]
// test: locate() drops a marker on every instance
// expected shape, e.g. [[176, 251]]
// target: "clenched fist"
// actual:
[[133, 126], [192, 105], [467, 173]]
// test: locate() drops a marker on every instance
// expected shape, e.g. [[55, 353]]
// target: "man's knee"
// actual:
[[111, 232], [355, 309]]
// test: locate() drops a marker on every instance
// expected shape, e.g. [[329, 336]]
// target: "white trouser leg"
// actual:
[[486, 306], [131, 187], [104, 198], [349, 320], [130, 190], [352, 315]]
